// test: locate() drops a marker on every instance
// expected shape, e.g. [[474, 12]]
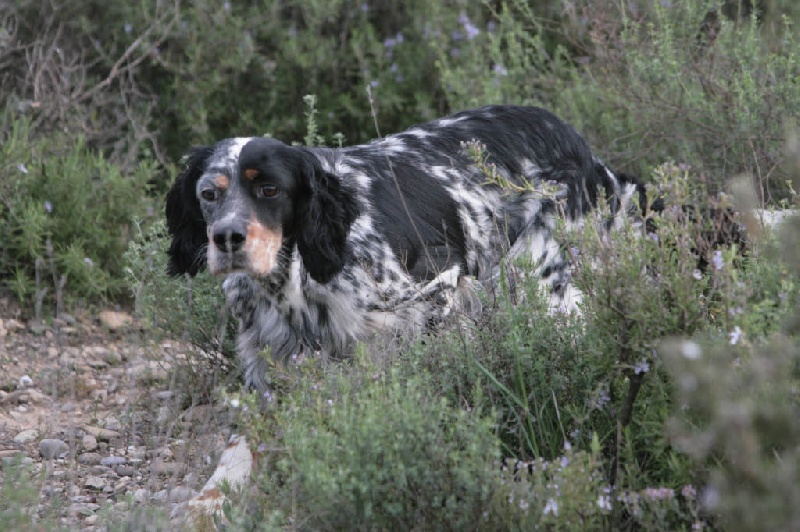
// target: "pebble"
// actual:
[[112, 461], [101, 433], [89, 443], [125, 471], [180, 494], [51, 448], [95, 483], [26, 436], [89, 458], [165, 468], [114, 321], [141, 495], [13, 325]]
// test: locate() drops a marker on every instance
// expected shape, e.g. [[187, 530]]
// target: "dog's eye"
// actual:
[[209, 194], [267, 191]]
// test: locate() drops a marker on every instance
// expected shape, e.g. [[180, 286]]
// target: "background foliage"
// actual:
[[712, 84], [523, 419]]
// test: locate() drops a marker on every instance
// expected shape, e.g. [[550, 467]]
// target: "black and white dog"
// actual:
[[324, 247]]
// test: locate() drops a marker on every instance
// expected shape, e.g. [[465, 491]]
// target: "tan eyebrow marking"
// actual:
[[222, 181], [250, 173]]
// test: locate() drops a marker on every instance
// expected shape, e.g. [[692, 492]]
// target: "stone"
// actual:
[[26, 436], [89, 458], [114, 320], [101, 433], [111, 461], [180, 494], [141, 495], [51, 448], [89, 443], [95, 483]]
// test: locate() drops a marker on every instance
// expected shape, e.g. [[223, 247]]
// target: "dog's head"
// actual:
[[241, 203]]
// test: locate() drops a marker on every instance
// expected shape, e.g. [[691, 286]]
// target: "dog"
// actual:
[[322, 248]]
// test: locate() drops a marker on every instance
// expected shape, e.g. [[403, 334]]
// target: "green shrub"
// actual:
[[647, 82], [65, 216], [365, 450]]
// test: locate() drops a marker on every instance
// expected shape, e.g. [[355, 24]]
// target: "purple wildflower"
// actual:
[[641, 367], [604, 502], [500, 70], [717, 260], [471, 30], [48, 206], [551, 507], [735, 335], [22, 168]]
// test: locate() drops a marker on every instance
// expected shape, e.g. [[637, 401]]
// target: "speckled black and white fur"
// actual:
[[324, 247]]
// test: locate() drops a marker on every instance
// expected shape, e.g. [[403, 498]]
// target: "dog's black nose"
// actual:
[[229, 238]]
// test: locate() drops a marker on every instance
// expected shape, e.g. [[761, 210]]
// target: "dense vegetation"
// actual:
[[671, 404]]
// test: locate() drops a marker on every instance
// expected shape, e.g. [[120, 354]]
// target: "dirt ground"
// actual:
[[109, 430]]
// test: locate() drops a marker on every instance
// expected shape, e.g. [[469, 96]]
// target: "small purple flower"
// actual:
[[735, 335], [658, 494], [268, 397], [602, 399], [717, 260], [641, 367], [455, 52], [471, 30], [88, 262], [690, 350], [456, 35], [48, 206], [551, 507], [697, 274], [128, 27], [604, 502], [491, 26], [564, 462], [262, 447], [688, 492], [390, 42], [393, 68], [22, 168], [500, 70], [226, 6], [374, 83], [364, 7]]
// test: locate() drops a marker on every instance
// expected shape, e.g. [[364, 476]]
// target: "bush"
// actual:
[[649, 82], [371, 451], [65, 216]]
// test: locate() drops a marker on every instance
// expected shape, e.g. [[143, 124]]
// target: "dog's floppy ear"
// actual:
[[325, 212], [185, 219]]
